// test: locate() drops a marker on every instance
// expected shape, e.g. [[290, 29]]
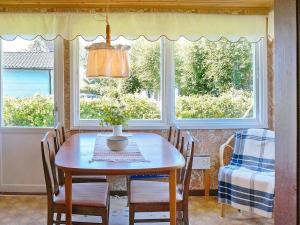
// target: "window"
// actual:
[[28, 83], [200, 84], [140, 93], [214, 79]]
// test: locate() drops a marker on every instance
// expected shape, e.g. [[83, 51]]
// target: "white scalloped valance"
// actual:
[[133, 25]]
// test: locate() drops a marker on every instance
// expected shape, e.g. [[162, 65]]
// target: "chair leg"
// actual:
[[58, 217], [131, 215], [186, 215], [105, 218], [128, 190], [180, 218], [222, 210], [50, 216]]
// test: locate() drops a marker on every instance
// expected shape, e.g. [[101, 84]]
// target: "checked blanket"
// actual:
[[248, 182]]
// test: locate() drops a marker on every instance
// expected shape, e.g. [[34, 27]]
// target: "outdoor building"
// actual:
[[27, 73]]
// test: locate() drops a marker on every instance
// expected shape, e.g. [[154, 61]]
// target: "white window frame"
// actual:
[[168, 96], [58, 90]]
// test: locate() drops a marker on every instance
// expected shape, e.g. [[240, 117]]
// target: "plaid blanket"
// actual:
[[248, 182]]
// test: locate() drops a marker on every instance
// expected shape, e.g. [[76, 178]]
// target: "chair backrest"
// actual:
[[187, 149], [60, 139], [254, 149], [49, 148], [60, 134], [174, 135]]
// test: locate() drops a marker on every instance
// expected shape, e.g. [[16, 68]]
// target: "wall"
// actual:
[[20, 160]]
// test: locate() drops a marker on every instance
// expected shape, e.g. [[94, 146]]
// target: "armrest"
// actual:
[[227, 149]]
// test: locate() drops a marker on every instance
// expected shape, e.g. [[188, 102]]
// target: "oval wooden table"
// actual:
[[75, 155]]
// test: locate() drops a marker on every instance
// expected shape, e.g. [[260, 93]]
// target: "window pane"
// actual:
[[28, 75], [140, 93], [214, 79]]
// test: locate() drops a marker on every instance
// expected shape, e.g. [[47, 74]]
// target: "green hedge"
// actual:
[[233, 104], [30, 111], [136, 106], [38, 110]]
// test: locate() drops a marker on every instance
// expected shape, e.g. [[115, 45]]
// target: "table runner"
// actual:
[[130, 154]]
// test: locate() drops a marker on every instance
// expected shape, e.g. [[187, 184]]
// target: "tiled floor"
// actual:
[[31, 210]]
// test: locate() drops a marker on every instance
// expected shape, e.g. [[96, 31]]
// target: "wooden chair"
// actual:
[[61, 138], [153, 196], [88, 198], [174, 139], [174, 135], [60, 134]]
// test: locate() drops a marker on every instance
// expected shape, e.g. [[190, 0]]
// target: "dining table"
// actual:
[[75, 157]]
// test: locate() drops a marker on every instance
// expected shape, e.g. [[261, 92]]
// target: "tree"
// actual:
[[205, 67], [40, 45], [191, 69], [145, 66], [132, 84]]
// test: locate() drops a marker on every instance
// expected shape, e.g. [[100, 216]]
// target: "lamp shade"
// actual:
[[107, 61]]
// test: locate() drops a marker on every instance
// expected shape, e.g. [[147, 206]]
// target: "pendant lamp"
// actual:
[[105, 60]]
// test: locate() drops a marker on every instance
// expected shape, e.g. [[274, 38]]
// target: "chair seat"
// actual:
[[241, 177], [151, 192], [85, 194], [247, 190], [89, 178]]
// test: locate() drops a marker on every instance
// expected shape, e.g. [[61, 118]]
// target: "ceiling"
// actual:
[[200, 6]]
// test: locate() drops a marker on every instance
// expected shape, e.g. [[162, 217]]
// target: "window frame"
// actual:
[[58, 89], [168, 96]]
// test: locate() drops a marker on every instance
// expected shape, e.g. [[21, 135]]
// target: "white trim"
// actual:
[[32, 130], [169, 74], [59, 80], [219, 124], [263, 54], [1, 86], [74, 76], [168, 96]]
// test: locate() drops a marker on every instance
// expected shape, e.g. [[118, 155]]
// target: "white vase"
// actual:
[[117, 130]]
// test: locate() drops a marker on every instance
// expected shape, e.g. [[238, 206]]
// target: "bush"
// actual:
[[136, 107], [232, 104], [35, 111], [38, 110]]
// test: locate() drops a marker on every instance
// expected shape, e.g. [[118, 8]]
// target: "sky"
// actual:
[[17, 45], [20, 44]]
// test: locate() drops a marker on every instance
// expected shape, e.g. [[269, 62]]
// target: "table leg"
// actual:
[[172, 190], [68, 194], [206, 183]]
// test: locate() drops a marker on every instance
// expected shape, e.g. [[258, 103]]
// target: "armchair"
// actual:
[[247, 172]]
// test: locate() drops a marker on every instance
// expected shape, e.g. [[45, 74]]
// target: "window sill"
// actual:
[[25, 129], [195, 124]]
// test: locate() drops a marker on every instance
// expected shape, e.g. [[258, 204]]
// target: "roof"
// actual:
[[28, 60]]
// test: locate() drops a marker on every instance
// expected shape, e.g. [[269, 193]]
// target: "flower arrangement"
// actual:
[[113, 115]]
